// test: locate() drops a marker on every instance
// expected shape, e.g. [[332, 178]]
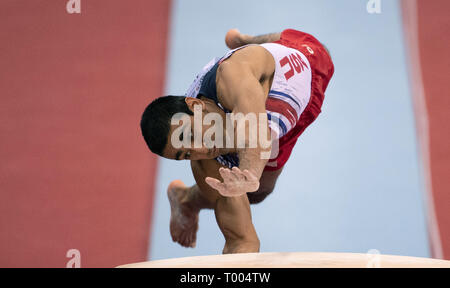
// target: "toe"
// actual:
[[193, 240], [184, 241]]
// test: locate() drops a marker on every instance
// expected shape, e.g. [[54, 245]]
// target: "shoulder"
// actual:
[[253, 58]]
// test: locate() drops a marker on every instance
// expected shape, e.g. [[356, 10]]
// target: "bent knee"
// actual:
[[258, 196]]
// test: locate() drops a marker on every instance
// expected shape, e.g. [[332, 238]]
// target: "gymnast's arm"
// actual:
[[239, 90]]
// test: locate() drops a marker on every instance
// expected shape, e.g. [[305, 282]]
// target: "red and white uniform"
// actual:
[[303, 69], [318, 71]]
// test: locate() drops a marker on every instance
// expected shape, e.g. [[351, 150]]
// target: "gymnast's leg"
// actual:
[[235, 39]]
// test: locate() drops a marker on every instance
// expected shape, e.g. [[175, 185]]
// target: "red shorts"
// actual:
[[322, 70]]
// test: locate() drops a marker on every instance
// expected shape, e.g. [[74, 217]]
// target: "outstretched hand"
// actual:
[[235, 182]]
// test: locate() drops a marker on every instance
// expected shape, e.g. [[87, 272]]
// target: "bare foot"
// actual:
[[235, 39], [184, 217]]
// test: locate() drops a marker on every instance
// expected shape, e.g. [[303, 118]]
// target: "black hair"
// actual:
[[155, 122]]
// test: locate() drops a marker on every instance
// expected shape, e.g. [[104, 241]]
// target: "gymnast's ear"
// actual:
[[191, 102]]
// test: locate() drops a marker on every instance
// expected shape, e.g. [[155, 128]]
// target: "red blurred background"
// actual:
[[75, 172]]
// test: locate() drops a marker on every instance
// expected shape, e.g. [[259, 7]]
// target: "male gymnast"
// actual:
[[282, 76]]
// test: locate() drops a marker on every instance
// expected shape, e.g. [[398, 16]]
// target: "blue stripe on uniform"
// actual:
[[285, 95], [279, 122]]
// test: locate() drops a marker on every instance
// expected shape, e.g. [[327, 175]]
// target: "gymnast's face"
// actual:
[[184, 130]]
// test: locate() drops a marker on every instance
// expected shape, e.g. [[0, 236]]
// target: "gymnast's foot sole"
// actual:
[[183, 218]]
